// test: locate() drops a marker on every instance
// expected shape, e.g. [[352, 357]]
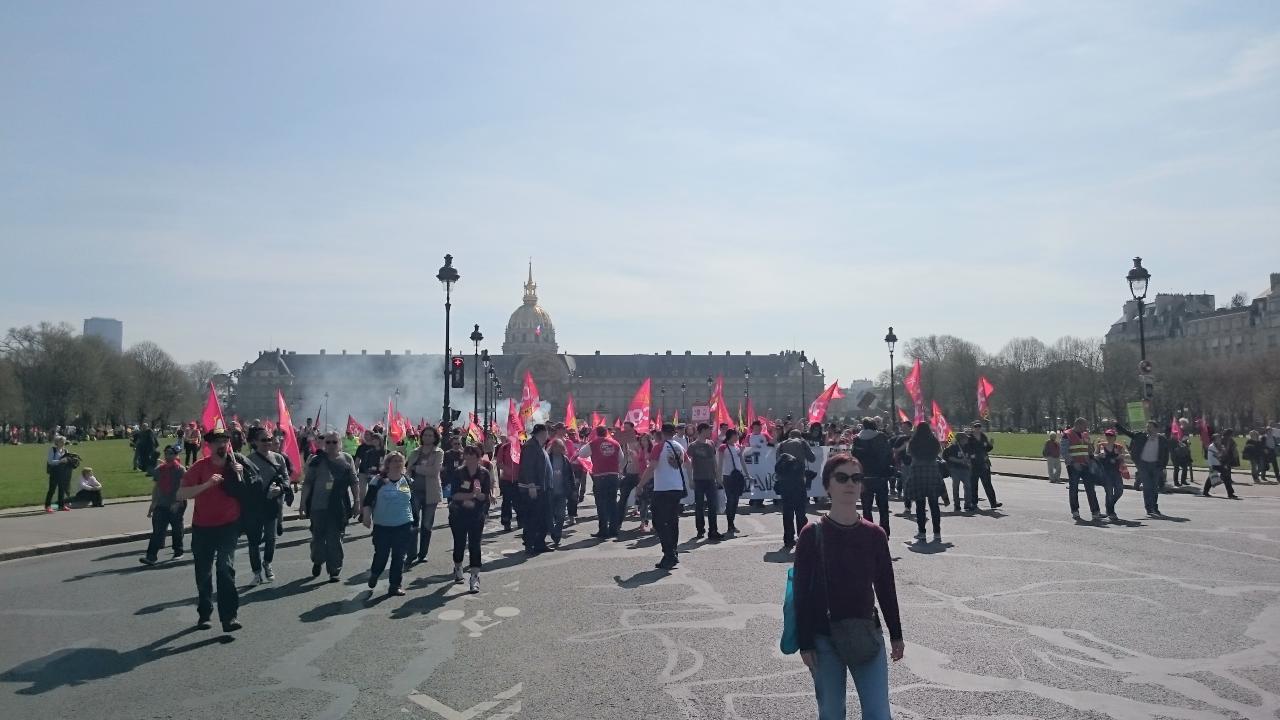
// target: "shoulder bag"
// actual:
[[858, 641]]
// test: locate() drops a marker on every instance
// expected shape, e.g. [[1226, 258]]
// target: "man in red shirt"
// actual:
[[214, 482], [606, 458]]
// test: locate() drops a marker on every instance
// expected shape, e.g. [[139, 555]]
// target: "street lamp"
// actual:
[[488, 380], [892, 340], [1138, 278], [662, 402], [746, 388], [447, 277], [476, 337], [326, 412], [710, 384], [683, 397], [803, 394]]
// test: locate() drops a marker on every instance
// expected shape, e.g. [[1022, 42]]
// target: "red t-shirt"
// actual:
[[214, 507], [606, 455]]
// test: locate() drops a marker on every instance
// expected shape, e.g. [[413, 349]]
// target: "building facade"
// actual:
[[1192, 323], [108, 330], [779, 384]]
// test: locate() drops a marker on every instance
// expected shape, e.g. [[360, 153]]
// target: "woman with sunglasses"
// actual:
[[842, 568], [388, 510]]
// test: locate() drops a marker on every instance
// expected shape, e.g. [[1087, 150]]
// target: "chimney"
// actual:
[[710, 353], [726, 353], [344, 352], [1275, 282], [364, 352], [597, 353], [687, 353], [407, 352], [387, 353], [321, 351], [748, 352], [668, 353]]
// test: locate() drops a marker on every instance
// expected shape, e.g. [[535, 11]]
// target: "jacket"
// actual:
[[273, 471], [1077, 447], [794, 487], [871, 448], [424, 467], [343, 470], [1138, 440], [562, 482], [535, 466]]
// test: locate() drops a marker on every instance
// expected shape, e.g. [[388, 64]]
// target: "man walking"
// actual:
[[702, 457], [263, 505], [606, 458], [535, 483], [794, 456], [214, 483], [1150, 451], [166, 510], [872, 449], [666, 471], [1078, 452], [327, 498], [980, 447]]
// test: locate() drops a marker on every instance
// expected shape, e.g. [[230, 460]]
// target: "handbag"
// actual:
[[857, 641], [735, 476], [790, 643]]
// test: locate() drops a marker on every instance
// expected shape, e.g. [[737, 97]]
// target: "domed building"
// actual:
[[530, 329]]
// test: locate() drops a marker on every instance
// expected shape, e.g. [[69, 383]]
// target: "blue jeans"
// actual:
[[830, 680], [1149, 476]]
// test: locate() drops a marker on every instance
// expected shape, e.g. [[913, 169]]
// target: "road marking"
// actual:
[[478, 623], [475, 711]]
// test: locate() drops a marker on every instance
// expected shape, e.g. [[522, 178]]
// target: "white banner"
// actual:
[[759, 463]]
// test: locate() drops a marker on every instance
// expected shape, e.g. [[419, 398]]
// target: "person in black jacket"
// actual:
[[261, 508], [872, 450], [1150, 452], [791, 483], [328, 488], [535, 484], [980, 447]]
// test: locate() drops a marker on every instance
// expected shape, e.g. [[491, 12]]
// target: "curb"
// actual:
[[60, 546]]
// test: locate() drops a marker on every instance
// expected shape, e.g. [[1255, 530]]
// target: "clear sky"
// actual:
[[226, 177]]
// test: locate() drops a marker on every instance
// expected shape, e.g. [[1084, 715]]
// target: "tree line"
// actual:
[[1039, 384], [50, 375]]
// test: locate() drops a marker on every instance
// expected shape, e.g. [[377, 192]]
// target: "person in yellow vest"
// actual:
[[1077, 452]]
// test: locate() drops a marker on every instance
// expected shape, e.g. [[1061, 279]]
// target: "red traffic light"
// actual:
[[457, 361]]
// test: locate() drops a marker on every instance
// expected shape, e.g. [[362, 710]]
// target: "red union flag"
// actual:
[[570, 414], [912, 383], [596, 420], [985, 389], [354, 429], [290, 445], [515, 429], [941, 428], [528, 397], [838, 394], [638, 412], [211, 419], [1175, 429], [818, 408]]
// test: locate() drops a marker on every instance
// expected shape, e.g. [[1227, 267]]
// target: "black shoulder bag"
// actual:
[[735, 476], [858, 641]]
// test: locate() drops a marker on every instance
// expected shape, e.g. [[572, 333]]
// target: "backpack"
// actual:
[[788, 465]]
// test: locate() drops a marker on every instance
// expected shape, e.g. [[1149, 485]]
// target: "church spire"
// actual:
[[530, 287]]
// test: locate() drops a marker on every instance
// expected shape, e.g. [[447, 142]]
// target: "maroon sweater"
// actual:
[[858, 571]]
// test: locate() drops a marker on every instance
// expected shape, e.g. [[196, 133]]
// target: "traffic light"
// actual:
[[457, 372]]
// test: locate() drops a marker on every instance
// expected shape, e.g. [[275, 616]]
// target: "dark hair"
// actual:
[[703, 426], [473, 450], [835, 461], [668, 429], [256, 433], [538, 428], [435, 434], [601, 431], [729, 434], [923, 442], [869, 423]]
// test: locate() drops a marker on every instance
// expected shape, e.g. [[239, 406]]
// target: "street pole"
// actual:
[[684, 400], [476, 337], [892, 340], [803, 411], [447, 276]]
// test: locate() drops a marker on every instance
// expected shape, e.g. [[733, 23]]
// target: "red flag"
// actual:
[[617, 422], [675, 418], [596, 420], [570, 414], [941, 428], [912, 383], [902, 415], [1175, 429], [1205, 436], [529, 399], [211, 419], [395, 422], [741, 427], [515, 429], [751, 414], [985, 389], [473, 430], [638, 412], [354, 429], [290, 445], [658, 423], [818, 408], [838, 394]]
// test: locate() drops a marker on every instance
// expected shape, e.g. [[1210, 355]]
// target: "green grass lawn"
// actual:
[[23, 480], [1031, 444]]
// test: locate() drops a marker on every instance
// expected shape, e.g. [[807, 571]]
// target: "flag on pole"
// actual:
[[211, 419], [912, 383], [514, 429], [657, 423], [638, 412], [570, 414], [941, 428], [838, 394], [529, 399], [985, 389], [675, 418], [1175, 429], [740, 426], [474, 433], [395, 423], [290, 445], [1205, 436], [818, 408], [751, 414], [596, 420], [354, 429], [902, 416]]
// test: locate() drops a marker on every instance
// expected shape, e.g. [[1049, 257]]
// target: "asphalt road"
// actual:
[[1020, 614]]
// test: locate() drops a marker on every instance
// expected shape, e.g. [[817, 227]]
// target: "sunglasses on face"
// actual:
[[842, 477], [330, 442]]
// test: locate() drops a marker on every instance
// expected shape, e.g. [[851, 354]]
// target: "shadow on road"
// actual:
[[641, 578], [932, 548], [422, 604], [76, 666], [782, 555]]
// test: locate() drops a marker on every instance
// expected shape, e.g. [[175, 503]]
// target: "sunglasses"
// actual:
[[330, 442], [842, 478]]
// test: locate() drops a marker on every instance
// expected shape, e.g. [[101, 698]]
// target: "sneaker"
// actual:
[[399, 592], [920, 536], [1154, 515], [937, 537], [1075, 516], [474, 584], [231, 625], [373, 580], [715, 537], [268, 574], [1099, 517], [334, 578], [64, 508], [1113, 518], [315, 570], [701, 534], [202, 623], [147, 560], [177, 554], [644, 527], [48, 509], [257, 579], [457, 572]]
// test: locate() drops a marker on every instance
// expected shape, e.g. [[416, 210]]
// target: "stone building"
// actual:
[[1191, 322], [360, 384]]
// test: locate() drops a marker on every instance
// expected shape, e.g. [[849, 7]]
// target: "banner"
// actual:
[[514, 429], [1175, 430], [941, 428], [354, 429], [985, 388], [638, 412], [528, 397], [758, 466], [290, 445]]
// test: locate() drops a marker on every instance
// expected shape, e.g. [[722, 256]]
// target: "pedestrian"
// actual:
[[216, 483], [1272, 438], [666, 475], [634, 463], [165, 510], [706, 485], [1052, 454], [90, 492], [1255, 452], [842, 569], [733, 476], [875, 454], [1180, 456], [59, 464], [562, 485], [901, 460], [425, 464], [508, 484], [1110, 458], [980, 447], [262, 508], [368, 458], [644, 496], [963, 483], [1150, 451], [535, 482], [606, 463], [758, 439], [1078, 451], [469, 492], [191, 443], [1219, 466], [924, 483], [794, 456], [328, 485], [387, 508]]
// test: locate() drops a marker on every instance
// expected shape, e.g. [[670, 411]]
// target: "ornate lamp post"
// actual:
[[488, 380], [892, 340], [803, 412], [684, 405], [746, 389], [662, 402], [447, 276], [476, 337], [1138, 278]]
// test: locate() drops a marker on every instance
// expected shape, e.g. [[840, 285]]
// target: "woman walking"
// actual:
[[842, 568], [733, 474], [563, 484], [1110, 456], [1219, 466], [1052, 454], [424, 465], [1256, 453], [470, 487], [963, 483], [388, 509], [924, 480]]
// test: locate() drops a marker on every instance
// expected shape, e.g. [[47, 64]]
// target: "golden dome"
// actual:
[[530, 329]]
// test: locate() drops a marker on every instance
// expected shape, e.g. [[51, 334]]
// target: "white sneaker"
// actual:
[[268, 574], [937, 538], [257, 579], [920, 537], [457, 572], [474, 585]]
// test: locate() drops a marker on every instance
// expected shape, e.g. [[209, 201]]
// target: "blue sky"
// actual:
[[702, 176]]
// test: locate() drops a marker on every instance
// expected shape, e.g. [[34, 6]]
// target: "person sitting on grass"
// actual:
[[90, 489]]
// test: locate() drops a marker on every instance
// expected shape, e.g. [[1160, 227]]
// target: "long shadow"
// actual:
[[275, 592], [422, 604], [1171, 518], [929, 548], [124, 571], [778, 556], [644, 542], [583, 543], [1128, 523], [77, 666], [332, 609], [506, 561], [641, 578]]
